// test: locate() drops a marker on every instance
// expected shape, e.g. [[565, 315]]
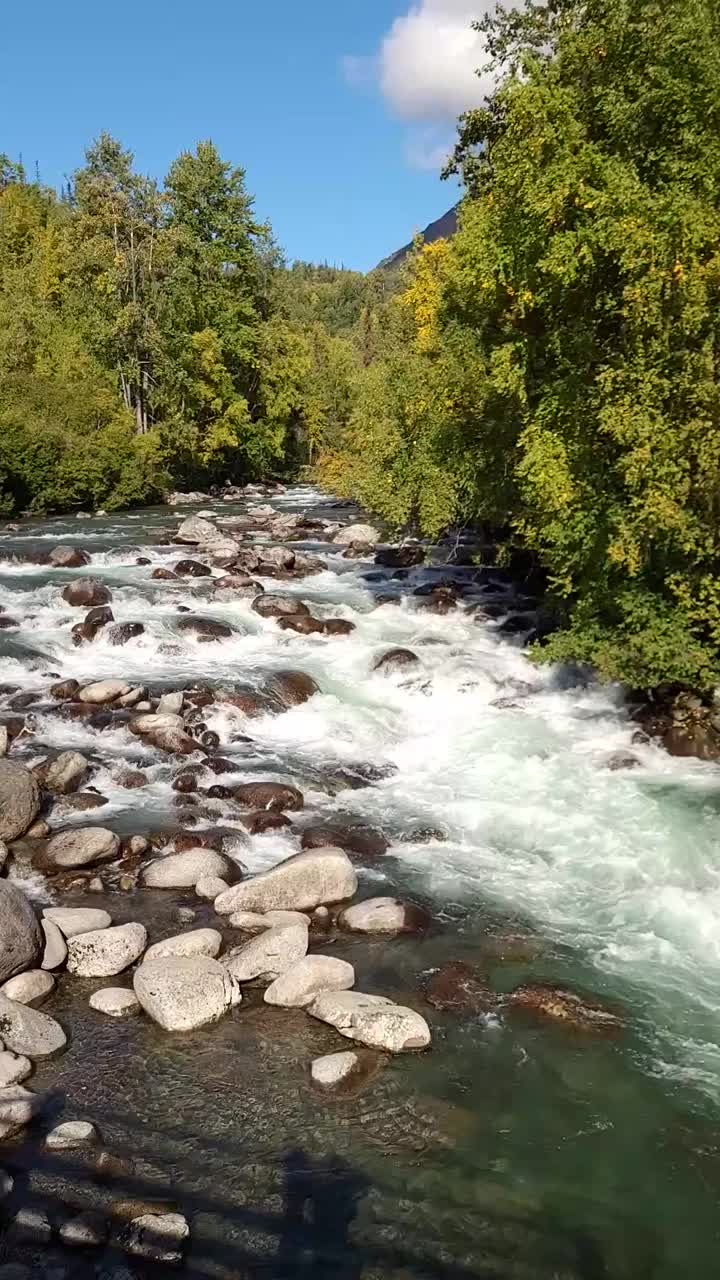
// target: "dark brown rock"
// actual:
[[338, 627], [86, 592], [292, 688], [460, 987], [396, 660], [205, 627], [560, 1005], [124, 631], [273, 606], [362, 841], [83, 633], [303, 623], [163, 575], [262, 820], [132, 779], [68, 558], [192, 569], [269, 795], [399, 557], [64, 690], [99, 616]]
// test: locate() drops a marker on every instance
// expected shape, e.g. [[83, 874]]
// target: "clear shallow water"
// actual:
[[508, 1150]]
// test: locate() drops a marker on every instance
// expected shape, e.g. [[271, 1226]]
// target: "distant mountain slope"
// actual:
[[438, 230]]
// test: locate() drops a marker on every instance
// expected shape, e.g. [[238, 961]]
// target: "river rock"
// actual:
[[301, 882], [340, 1072], [372, 1020], [74, 920], [300, 985], [13, 1069], [21, 938], [183, 870], [29, 1032], [55, 950], [121, 632], [31, 987], [292, 688], [194, 531], [81, 848], [68, 558], [105, 952], [459, 987], [366, 842], [83, 593], [210, 887], [338, 627], [70, 1135], [156, 1237], [163, 575], [64, 689], [363, 535], [181, 993], [206, 628], [253, 922], [269, 795], [399, 557], [269, 605], [198, 942], [561, 1005], [302, 623], [65, 773], [171, 703], [104, 691], [167, 732], [192, 569], [86, 1231], [394, 660], [268, 955], [384, 915], [19, 800], [116, 1002], [17, 1108]]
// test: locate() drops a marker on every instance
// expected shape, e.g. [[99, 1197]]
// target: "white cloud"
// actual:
[[428, 147], [428, 60]]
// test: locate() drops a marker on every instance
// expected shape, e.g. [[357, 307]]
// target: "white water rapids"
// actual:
[[622, 868]]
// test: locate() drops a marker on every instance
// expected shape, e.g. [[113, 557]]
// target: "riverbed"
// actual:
[[512, 1148]]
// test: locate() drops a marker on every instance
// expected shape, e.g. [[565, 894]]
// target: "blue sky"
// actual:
[[338, 109]]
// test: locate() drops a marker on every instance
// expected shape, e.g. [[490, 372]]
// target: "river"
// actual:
[[511, 1148]]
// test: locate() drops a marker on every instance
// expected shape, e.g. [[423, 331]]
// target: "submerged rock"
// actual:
[[21, 938], [301, 882], [181, 993], [70, 1135], [395, 660], [384, 915], [460, 987], [372, 1020], [342, 1072], [561, 1005]]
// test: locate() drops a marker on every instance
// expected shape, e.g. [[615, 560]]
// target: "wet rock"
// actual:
[[292, 688], [83, 593], [304, 624], [163, 575], [187, 780], [30, 1226], [166, 732], [82, 848], [250, 701], [384, 915], [104, 952], [301, 882], [68, 558], [364, 841], [254, 922], [363, 535], [342, 1072], [7, 1182], [395, 660], [171, 703], [116, 1002], [55, 950], [209, 887], [13, 1070], [239, 584], [263, 820], [29, 1032], [86, 1231], [195, 530], [460, 987], [423, 835], [64, 689], [563, 1006], [81, 802], [21, 938], [17, 1108], [19, 800], [83, 633], [206, 627], [192, 569], [338, 627], [372, 1020], [65, 773], [181, 993], [72, 921], [621, 760], [7, 623], [268, 955], [103, 691], [183, 870], [70, 1135], [197, 942], [269, 605], [157, 1237], [124, 631], [269, 795], [99, 616], [31, 987], [307, 979]]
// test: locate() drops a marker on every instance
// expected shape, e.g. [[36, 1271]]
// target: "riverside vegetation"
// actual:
[[551, 372]]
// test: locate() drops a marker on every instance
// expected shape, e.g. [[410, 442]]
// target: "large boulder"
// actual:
[[21, 938], [292, 688], [372, 1020], [301, 882], [74, 920], [17, 1108], [384, 915], [269, 795], [194, 531], [197, 942], [362, 535], [269, 605], [181, 993], [183, 870], [192, 569], [270, 954], [65, 773], [300, 985], [19, 800], [29, 1032], [366, 842], [105, 952], [81, 848], [68, 558], [103, 691], [83, 593]]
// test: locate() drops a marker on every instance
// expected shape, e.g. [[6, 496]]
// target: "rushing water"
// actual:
[[510, 1149]]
